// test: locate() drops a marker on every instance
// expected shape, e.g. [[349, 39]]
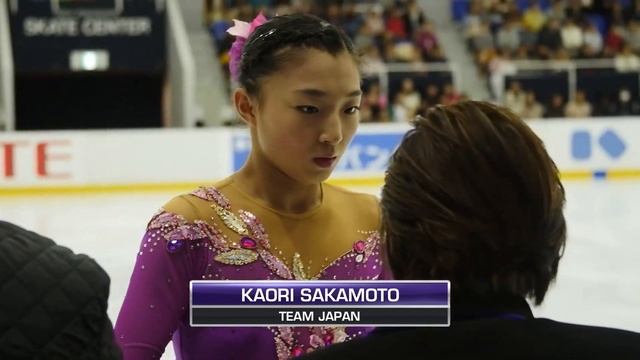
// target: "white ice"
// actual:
[[598, 281]]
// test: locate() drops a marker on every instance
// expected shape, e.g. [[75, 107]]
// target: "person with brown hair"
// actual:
[[472, 196]]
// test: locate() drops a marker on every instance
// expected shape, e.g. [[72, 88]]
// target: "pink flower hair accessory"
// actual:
[[241, 30]]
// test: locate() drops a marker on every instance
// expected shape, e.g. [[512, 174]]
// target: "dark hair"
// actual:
[[270, 46], [472, 196]]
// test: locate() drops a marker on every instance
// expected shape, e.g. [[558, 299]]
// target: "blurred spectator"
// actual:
[[605, 107], [365, 114], [405, 51], [351, 20], [549, 39], [579, 107], [482, 40], [626, 104], [410, 98], [627, 61], [532, 108], [533, 19], [413, 17], [593, 43], [561, 57], [371, 61], [426, 39], [515, 98], [556, 106], [450, 95], [635, 14], [616, 14], [432, 96], [572, 37], [376, 103], [556, 11], [633, 36], [398, 111], [528, 40], [436, 55], [333, 13], [374, 20], [364, 37], [395, 23], [474, 20], [575, 10], [508, 37], [615, 39]]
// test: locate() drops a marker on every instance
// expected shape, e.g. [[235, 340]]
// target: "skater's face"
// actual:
[[306, 114]]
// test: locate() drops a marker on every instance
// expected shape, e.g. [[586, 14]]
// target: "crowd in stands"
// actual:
[[525, 104], [561, 29], [497, 31], [408, 101], [500, 31], [383, 31]]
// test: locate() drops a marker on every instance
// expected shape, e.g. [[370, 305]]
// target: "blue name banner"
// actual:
[[319, 303]]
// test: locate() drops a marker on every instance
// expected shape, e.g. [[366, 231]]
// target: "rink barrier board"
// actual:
[[175, 160], [373, 182]]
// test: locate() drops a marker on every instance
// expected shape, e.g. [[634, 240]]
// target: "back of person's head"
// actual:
[[472, 196], [53, 303]]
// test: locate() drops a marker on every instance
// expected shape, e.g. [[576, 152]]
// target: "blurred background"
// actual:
[[108, 108]]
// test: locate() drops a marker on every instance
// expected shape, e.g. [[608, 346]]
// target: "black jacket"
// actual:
[[53, 303], [505, 329]]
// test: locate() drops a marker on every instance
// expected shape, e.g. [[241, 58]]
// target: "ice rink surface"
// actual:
[[598, 281]]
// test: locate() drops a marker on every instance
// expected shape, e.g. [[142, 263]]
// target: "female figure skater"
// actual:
[[299, 92]]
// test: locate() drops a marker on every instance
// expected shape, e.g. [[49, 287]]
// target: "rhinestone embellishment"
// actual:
[[237, 257], [231, 221], [298, 268], [175, 245], [248, 243]]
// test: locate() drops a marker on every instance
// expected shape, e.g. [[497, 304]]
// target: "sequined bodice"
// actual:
[[247, 256]]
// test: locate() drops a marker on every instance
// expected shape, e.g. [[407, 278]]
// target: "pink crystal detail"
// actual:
[[186, 232], [282, 351], [215, 237], [212, 194], [372, 242], [165, 219], [255, 227], [359, 246], [286, 333], [275, 264], [297, 351], [248, 243]]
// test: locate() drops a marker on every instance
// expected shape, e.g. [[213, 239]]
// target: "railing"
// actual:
[[571, 67], [418, 68], [182, 72], [7, 96]]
